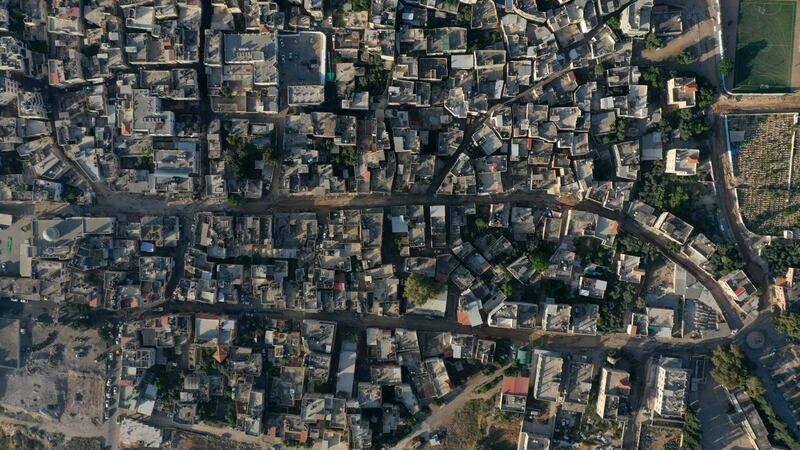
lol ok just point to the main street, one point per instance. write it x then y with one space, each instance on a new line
141 205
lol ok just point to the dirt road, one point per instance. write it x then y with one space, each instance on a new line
443 414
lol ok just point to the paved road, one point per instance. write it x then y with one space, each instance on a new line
718 432
127 205
544 340
756 268
627 224
760 359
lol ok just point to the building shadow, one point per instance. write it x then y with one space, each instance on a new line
746 59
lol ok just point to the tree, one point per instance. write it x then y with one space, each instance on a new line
538 253
359 5
71 194
705 96
91 50
16 19
619 298
684 58
663 191
630 245
10 163
347 156
652 77
652 42
620 129
732 370
145 162
419 288
780 256
690 125
464 15
271 154
477 39
788 323
591 250
725 260
730 367
226 91
613 23
666 130
376 77
599 70
481 224
726 66
241 157
539 261
692 433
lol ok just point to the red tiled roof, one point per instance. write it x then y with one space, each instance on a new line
220 355
515 385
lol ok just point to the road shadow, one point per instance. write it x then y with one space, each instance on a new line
4 373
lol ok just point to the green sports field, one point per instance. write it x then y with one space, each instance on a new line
764 46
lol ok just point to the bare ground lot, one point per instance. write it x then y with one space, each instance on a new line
191 441
55 387
657 438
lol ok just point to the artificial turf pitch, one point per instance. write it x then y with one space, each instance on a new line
764 46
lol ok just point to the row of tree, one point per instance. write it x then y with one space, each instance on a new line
732 370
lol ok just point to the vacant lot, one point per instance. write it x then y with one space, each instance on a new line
468 426
56 386
764 45
766 170
658 438
191 441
